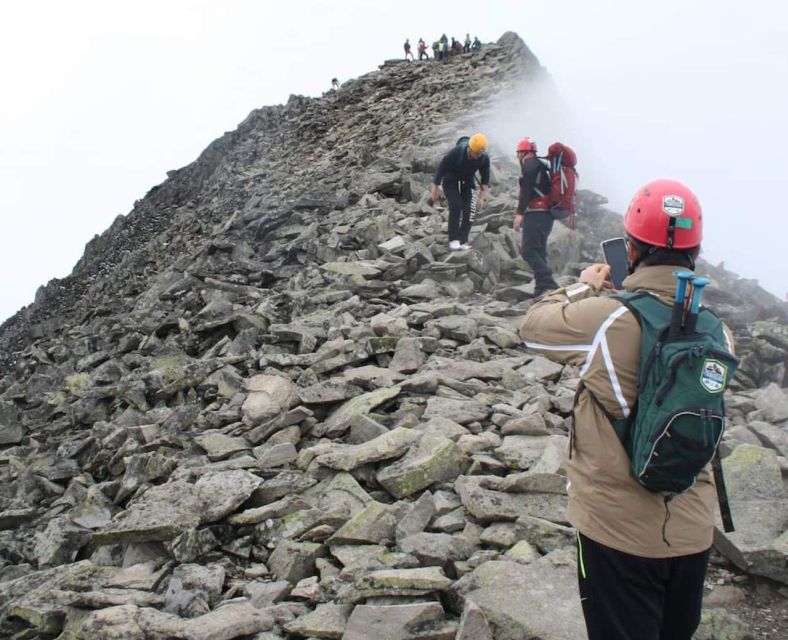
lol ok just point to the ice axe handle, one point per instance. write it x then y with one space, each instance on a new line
678 303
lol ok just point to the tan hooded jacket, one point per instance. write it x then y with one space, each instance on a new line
575 325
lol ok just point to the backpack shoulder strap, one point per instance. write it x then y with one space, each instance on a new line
462 143
620 425
653 315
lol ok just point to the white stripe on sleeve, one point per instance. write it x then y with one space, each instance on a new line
575 290
600 341
558 347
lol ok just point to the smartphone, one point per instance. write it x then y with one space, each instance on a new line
615 252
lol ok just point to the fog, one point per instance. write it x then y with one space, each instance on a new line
102 99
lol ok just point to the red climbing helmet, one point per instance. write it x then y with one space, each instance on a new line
526 144
665 213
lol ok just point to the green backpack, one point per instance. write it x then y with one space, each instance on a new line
674 430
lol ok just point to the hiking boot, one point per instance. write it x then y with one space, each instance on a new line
454 245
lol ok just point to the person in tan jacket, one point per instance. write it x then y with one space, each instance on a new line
641 566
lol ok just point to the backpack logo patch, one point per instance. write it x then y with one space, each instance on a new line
713 376
673 205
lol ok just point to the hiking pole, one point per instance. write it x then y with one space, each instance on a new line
698 283
678 303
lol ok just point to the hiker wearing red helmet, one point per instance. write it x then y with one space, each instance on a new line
533 215
665 214
642 555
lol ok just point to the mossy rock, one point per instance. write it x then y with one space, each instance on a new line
76 382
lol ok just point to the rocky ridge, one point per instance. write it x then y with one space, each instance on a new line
269 403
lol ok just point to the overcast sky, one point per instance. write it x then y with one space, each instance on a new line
101 99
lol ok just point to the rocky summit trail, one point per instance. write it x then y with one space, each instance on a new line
269 404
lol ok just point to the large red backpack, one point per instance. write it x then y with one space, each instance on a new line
563 176
561 163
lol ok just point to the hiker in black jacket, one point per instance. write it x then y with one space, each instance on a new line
533 215
456 174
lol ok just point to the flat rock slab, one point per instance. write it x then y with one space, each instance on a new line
342 417
219 446
408 356
11 434
436 548
30 597
759 508
460 411
162 513
293 561
108 598
396 582
488 505
538 600
375 523
344 491
232 620
460 328
273 510
365 268
434 459
327 621
329 392
143 575
773 401
466 369
534 482
264 594
222 493
425 290
522 452
473 624
370 376
396 244
389 445
541 369
399 622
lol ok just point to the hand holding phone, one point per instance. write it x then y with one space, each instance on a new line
615 252
597 275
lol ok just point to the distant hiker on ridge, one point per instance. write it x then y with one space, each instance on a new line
477 44
466 48
407 49
444 47
334 83
456 173
533 216
423 50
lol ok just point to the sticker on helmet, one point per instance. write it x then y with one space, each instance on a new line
713 375
673 205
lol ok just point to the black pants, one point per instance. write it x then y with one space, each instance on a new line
627 597
460 196
537 226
